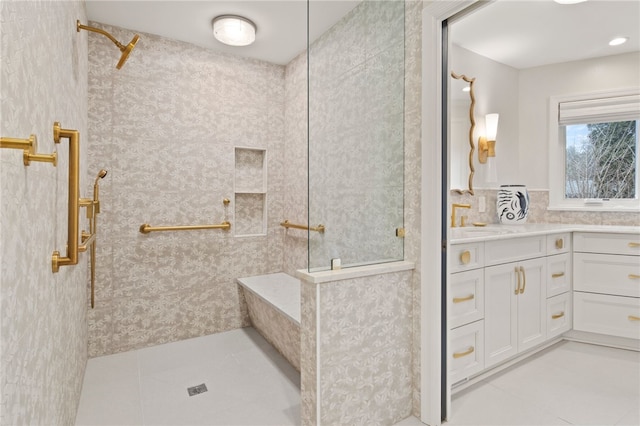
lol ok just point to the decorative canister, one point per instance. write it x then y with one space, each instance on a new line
513 204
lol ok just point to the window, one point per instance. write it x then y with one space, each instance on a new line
593 156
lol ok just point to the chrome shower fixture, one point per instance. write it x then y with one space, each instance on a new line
126 50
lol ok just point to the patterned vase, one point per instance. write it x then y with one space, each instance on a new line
513 204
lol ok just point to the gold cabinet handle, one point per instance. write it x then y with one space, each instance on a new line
634 318
463 299
518 284
556 316
469 351
560 243
557 275
465 257
634 244
524 279
634 276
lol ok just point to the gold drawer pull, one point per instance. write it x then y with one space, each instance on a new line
634 244
559 243
469 351
634 276
556 316
465 257
463 299
558 275
634 318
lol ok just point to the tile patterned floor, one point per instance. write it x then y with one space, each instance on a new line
249 383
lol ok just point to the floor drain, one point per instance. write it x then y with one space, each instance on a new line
195 390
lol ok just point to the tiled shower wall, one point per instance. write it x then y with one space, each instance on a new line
43 315
166 126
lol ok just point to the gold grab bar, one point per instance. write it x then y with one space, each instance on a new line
75 202
558 275
29 148
319 228
463 299
469 351
146 228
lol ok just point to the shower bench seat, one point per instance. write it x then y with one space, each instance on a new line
273 301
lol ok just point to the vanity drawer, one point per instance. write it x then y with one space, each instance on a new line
467 351
605 273
514 249
466 297
594 242
558 314
558 274
465 257
559 243
612 315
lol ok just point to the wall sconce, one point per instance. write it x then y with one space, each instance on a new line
487 144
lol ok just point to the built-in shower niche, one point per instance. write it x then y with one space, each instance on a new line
250 204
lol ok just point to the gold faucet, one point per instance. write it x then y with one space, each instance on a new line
453 212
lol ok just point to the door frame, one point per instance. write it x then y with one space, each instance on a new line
435 398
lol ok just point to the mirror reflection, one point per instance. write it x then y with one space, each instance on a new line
461 127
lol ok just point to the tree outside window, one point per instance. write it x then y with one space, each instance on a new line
601 160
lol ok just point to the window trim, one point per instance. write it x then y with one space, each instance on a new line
557 161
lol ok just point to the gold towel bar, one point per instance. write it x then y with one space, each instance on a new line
146 228
29 148
319 228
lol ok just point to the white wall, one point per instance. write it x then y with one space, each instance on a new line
569 78
496 90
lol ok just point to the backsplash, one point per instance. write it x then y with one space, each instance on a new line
538 213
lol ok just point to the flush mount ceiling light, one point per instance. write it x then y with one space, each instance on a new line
618 41
234 30
569 1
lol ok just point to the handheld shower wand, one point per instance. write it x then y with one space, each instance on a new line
93 224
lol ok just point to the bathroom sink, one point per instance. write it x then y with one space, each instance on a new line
476 232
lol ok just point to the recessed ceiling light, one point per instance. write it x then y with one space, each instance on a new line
618 41
234 30
569 1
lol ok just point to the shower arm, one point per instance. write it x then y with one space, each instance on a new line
79 27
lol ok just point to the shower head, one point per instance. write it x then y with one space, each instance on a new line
126 50
101 174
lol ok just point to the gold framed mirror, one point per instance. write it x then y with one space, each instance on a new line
462 122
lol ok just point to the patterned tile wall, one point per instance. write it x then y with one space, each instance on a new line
278 329
43 343
166 126
538 212
365 341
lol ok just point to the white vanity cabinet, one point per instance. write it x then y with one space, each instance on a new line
466 311
515 308
606 277
559 278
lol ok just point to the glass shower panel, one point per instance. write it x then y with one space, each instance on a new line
356 136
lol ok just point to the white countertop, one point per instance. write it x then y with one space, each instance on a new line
498 232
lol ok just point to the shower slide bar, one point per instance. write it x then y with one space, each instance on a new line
319 228
146 228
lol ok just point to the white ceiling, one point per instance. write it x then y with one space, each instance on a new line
282 25
518 33
525 34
